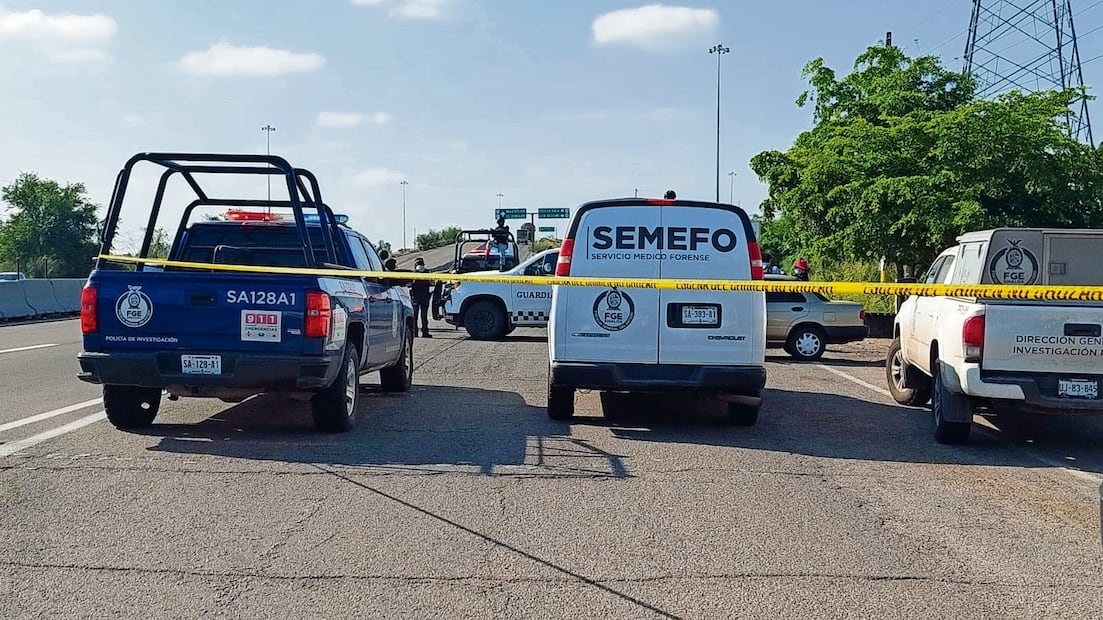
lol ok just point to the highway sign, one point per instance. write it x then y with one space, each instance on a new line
550 229
553 214
511 214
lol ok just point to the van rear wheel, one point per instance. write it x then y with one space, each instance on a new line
130 407
900 375
743 415
560 402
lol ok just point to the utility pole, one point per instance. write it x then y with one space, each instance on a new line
719 50
268 129
404 183
637 194
731 188
500 194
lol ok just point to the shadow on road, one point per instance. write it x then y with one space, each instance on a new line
833 426
480 429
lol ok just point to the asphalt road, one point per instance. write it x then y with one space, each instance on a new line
461 499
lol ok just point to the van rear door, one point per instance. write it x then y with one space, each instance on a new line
709 241
610 324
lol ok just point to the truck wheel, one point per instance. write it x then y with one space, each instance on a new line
742 415
944 401
897 372
129 406
807 342
560 402
485 320
334 408
400 377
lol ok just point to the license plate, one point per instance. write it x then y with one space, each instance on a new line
1078 388
201 364
699 315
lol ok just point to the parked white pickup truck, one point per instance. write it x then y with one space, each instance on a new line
490 310
969 355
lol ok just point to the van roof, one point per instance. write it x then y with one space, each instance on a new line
748 229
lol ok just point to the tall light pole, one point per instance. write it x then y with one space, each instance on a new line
719 50
268 129
404 183
731 189
500 194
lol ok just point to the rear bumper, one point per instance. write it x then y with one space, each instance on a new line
1036 392
745 380
239 371
842 335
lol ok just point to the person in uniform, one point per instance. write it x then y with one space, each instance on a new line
420 294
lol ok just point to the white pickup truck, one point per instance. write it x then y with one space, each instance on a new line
490 310
969 355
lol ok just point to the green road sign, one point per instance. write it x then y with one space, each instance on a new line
553 214
511 214
550 229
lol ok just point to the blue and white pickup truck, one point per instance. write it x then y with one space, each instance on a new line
196 332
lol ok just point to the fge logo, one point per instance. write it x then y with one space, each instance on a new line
134 308
614 310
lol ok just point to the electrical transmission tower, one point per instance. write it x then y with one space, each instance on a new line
1028 45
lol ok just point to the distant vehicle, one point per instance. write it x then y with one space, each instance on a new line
475 251
805 323
209 333
491 310
12 276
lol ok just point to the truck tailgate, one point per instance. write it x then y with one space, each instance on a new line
201 311
1043 338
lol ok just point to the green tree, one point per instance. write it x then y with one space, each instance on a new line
903 158
382 246
50 227
437 238
160 245
545 243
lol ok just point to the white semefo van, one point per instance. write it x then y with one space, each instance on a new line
650 340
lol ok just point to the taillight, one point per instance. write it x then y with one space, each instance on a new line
88 322
318 314
862 315
563 265
756 260
972 337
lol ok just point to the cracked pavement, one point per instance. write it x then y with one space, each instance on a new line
461 499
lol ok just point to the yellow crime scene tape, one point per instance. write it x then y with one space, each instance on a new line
986 291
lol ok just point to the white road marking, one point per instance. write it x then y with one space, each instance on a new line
1090 477
7 426
14 447
30 348
845 375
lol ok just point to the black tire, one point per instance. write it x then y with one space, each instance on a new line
400 377
743 415
130 407
334 408
485 320
897 372
560 402
943 400
806 343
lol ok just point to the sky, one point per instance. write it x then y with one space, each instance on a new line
550 104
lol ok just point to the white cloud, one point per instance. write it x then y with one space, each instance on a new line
375 177
411 9
341 120
63 37
225 60
654 26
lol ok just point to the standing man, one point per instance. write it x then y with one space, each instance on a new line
500 236
420 294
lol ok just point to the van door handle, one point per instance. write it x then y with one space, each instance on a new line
797 308
201 299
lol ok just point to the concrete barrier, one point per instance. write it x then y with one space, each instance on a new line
40 296
13 301
67 293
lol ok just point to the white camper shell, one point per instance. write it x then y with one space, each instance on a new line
651 340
